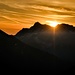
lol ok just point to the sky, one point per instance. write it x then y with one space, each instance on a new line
18 14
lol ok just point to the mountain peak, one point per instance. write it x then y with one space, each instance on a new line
37 27
65 27
37 24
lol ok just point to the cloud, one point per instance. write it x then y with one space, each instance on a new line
26 12
7 7
13 19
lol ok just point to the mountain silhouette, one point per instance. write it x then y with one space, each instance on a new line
44 27
65 27
15 54
36 27
38 48
61 43
3 33
39 27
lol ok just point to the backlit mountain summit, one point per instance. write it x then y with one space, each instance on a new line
43 27
39 47
59 42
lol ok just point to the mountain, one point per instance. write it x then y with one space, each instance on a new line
39 27
65 27
15 55
43 27
36 27
39 47
59 41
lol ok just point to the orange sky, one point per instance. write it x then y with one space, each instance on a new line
18 14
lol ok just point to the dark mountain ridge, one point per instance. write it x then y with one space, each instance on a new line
43 27
15 54
25 49
66 27
59 41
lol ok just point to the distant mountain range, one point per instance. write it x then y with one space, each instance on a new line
59 42
17 55
43 27
39 48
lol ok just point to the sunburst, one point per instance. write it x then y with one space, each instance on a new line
53 23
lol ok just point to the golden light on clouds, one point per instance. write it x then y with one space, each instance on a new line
18 14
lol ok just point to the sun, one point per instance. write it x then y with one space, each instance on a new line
53 23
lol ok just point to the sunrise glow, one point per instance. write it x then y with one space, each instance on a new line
18 14
52 23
